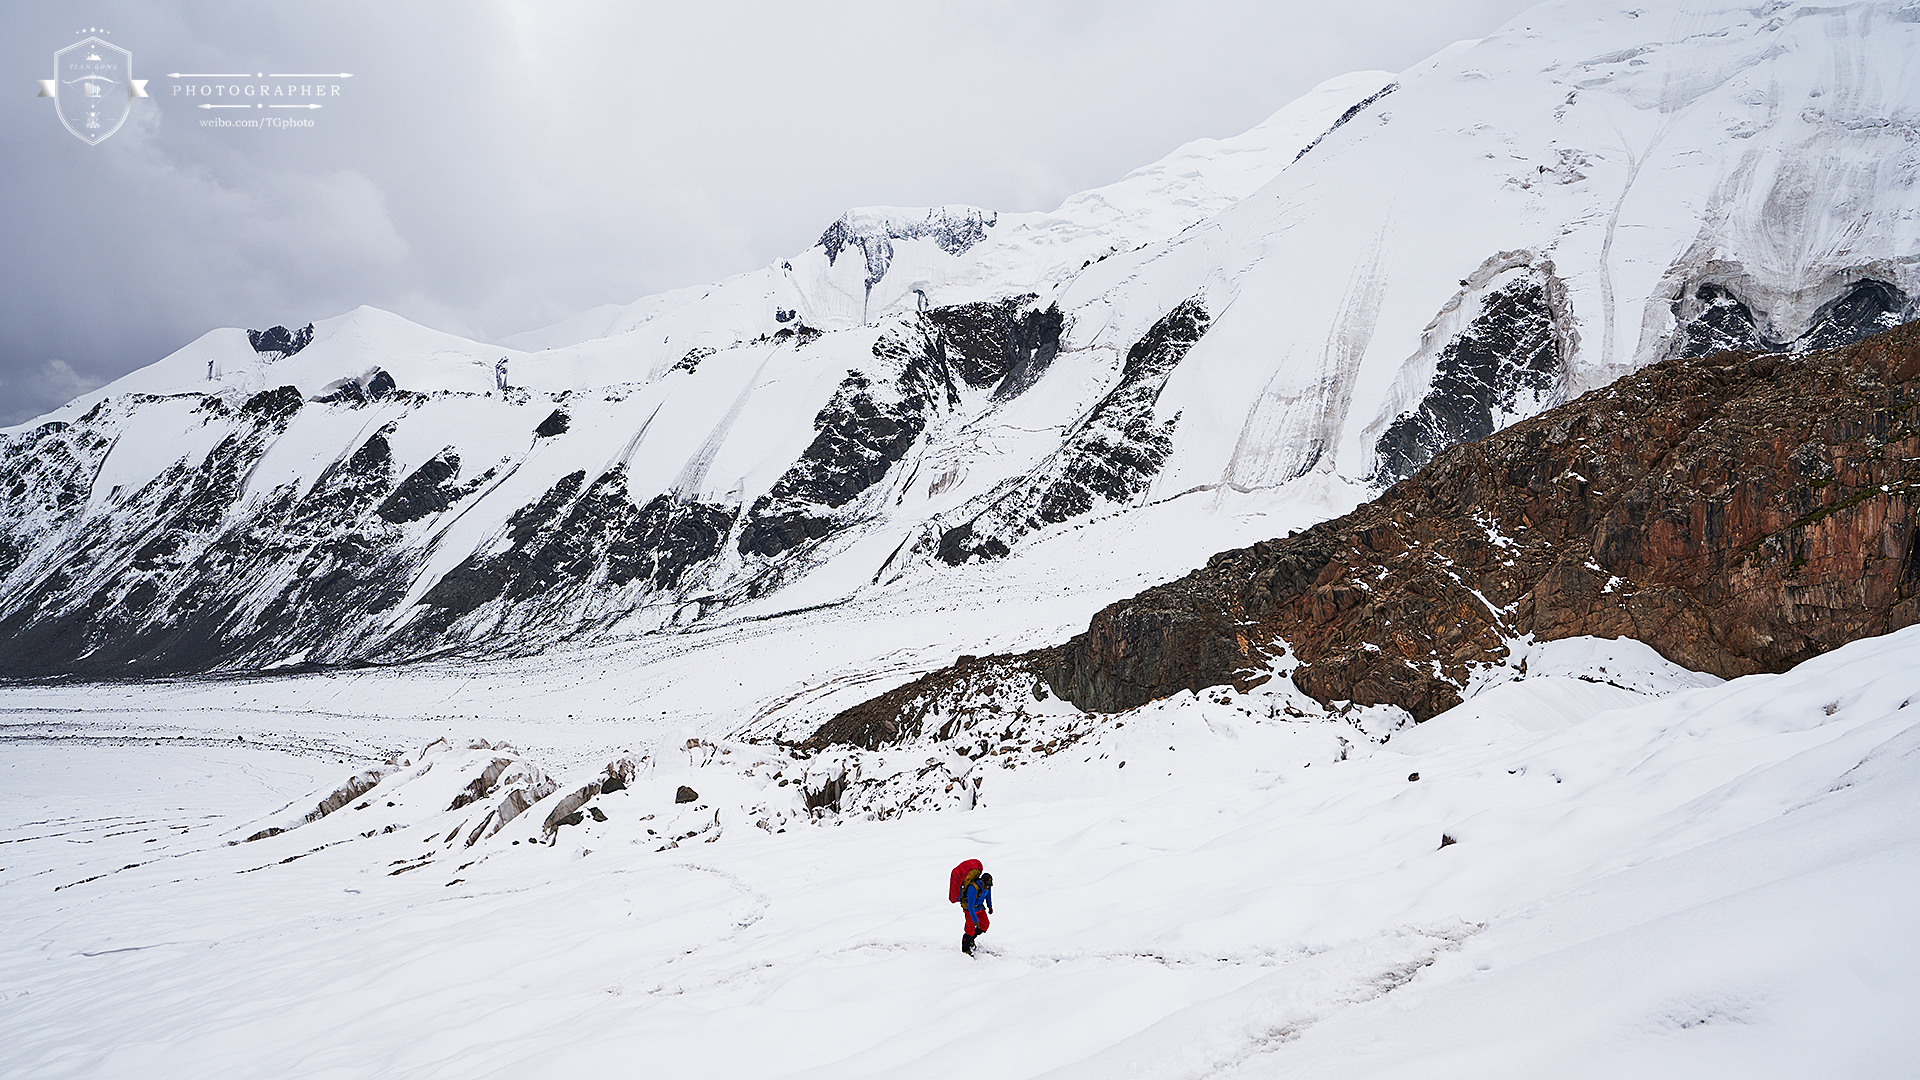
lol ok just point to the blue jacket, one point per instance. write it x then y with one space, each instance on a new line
974 897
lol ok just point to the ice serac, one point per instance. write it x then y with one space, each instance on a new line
873 230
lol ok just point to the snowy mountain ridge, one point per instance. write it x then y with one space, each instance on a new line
1004 254
1315 308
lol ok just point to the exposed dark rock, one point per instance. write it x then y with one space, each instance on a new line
685 794
278 342
1035 341
801 335
1866 308
691 361
1511 349
45 475
1353 111
1712 317
359 390
343 392
873 420
1739 513
1720 322
465 587
827 794
429 489
861 434
900 714
556 423
991 342
670 539
302 575
1110 456
276 404
570 543
862 431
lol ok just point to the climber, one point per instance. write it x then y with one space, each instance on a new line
971 887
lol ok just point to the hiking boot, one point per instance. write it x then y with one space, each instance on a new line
966 944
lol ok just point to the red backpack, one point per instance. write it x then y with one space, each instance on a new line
959 878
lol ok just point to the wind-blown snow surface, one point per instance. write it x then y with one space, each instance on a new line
1648 879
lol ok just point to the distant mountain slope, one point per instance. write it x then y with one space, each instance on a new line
907 258
1386 267
1593 188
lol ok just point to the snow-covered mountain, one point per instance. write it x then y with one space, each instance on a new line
902 260
1304 312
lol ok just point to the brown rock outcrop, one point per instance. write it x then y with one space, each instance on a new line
1739 513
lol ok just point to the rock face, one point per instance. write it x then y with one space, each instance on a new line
1109 455
1712 317
278 342
1513 351
1738 512
873 419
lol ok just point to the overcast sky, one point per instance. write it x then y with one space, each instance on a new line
494 166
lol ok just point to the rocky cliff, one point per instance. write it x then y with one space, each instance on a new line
1739 512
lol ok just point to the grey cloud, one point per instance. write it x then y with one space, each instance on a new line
30 391
495 166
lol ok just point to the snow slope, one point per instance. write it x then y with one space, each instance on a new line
1004 254
1620 162
1658 881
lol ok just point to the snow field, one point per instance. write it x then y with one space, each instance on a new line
1672 885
